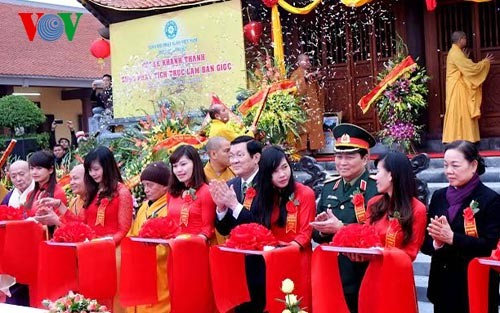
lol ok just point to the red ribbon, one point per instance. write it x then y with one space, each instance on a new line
229 279
2 240
57 271
20 253
390 274
478 281
88 268
325 277
97 269
138 280
189 276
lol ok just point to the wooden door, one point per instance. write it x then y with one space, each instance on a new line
349 46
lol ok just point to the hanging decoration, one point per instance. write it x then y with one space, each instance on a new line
354 3
253 32
277 34
100 49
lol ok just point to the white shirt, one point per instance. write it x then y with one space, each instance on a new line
239 207
18 198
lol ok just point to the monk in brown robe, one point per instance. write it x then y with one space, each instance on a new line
313 104
464 79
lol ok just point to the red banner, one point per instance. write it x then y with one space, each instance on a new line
406 65
260 97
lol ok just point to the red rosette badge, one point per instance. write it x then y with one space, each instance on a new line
358 199
8 213
291 207
251 236
251 193
74 232
159 227
357 236
468 213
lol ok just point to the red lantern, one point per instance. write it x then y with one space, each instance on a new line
253 32
270 3
100 49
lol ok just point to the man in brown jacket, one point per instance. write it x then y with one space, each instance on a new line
313 104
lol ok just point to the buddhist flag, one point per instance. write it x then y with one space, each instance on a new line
406 65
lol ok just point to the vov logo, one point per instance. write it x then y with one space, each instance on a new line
50 27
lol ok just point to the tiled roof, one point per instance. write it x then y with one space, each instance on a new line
145 4
20 57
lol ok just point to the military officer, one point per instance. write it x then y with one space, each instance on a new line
335 208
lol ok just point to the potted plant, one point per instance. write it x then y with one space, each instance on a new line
20 115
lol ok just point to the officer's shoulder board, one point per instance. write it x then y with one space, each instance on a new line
331 179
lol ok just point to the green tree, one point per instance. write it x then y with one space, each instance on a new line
17 111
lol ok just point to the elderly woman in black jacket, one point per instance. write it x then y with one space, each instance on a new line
452 245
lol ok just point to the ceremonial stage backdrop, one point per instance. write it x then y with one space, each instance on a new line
181 56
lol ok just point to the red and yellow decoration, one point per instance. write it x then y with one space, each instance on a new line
391 236
405 66
291 216
358 200
355 3
188 196
171 143
101 212
277 33
260 97
7 152
470 220
249 196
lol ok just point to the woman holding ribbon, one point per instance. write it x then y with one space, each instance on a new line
464 223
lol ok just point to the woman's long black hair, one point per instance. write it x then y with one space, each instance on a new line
404 189
110 175
176 187
269 195
46 160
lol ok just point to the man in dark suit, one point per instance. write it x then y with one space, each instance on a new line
244 156
234 207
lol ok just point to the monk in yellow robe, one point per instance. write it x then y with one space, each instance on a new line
313 104
221 126
155 181
463 92
217 166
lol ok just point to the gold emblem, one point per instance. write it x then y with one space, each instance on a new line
345 138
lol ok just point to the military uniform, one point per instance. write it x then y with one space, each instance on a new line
337 195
